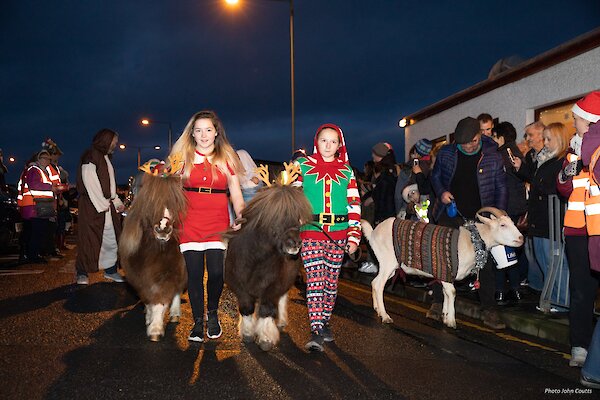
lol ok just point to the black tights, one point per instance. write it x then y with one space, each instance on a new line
194 262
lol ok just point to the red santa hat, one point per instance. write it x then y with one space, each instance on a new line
342 152
588 108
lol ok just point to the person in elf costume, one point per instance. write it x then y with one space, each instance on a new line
329 184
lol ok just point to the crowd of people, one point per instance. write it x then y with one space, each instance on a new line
445 184
485 166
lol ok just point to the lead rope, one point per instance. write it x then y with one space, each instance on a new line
357 254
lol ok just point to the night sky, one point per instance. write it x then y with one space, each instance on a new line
69 67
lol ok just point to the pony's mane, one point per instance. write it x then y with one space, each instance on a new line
156 194
275 209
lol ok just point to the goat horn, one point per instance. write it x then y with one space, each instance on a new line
496 212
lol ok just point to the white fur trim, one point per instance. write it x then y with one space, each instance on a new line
584 114
201 246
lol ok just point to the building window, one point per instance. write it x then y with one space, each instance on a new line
558 112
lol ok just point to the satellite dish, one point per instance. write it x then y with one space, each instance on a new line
504 64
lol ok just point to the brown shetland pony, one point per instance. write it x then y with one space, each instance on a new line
263 259
149 249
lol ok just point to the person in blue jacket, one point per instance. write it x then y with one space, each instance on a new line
470 173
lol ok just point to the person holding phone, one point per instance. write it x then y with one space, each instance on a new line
505 135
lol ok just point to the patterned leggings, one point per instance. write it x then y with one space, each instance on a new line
322 262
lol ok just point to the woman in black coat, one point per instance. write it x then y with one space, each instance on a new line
542 185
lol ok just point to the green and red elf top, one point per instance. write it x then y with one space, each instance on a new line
331 190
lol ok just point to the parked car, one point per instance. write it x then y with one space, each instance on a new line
11 223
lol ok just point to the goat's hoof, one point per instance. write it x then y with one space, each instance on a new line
155 337
174 319
451 325
247 338
265 345
387 320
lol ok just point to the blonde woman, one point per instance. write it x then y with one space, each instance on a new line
543 184
210 171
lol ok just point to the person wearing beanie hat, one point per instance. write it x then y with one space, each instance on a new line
330 186
471 174
381 149
423 147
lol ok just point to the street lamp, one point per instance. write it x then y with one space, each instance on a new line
147 122
123 146
235 2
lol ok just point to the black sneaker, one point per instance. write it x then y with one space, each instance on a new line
326 333
197 333
214 326
315 343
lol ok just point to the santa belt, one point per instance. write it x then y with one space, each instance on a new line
204 190
329 218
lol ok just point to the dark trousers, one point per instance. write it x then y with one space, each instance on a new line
512 273
36 237
583 286
194 262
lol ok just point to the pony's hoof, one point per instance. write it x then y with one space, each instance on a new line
281 327
174 319
247 339
155 337
387 320
265 345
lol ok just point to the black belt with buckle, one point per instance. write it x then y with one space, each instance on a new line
204 190
329 218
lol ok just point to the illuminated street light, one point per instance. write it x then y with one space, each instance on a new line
235 3
404 122
147 122
12 159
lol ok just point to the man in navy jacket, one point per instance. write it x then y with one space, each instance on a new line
471 173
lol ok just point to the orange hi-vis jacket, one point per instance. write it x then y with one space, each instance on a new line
27 196
592 201
53 174
575 214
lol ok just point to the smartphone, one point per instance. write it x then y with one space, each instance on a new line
510 154
416 161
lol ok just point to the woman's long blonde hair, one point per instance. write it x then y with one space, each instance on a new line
223 155
559 133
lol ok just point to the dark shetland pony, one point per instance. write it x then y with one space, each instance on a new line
149 249
263 259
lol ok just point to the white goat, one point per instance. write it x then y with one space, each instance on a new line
496 230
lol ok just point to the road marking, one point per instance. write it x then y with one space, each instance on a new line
501 335
7 272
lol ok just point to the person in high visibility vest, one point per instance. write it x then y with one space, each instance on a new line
573 183
56 240
34 185
589 109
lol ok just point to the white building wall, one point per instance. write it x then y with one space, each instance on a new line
517 101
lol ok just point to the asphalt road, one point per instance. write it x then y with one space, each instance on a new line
61 341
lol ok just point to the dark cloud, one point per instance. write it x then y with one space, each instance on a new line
69 68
